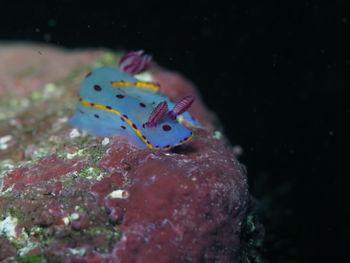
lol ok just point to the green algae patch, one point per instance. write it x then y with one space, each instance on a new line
96 152
13 212
33 259
107 59
69 182
90 172
39 232
83 140
89 147
110 235
50 91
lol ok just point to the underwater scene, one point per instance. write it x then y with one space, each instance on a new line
159 132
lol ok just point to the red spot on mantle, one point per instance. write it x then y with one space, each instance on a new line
166 127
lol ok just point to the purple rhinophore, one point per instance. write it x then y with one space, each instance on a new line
156 115
180 107
134 62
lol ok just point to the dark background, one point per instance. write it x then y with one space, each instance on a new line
276 73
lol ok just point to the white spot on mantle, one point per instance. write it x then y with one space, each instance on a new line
144 76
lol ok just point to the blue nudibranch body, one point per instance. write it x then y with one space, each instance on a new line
113 102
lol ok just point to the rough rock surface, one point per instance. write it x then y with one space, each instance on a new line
70 197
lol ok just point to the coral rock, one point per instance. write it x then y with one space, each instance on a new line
76 199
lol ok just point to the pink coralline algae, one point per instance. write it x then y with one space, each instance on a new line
96 199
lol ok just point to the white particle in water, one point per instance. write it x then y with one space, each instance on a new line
105 141
4 140
8 226
122 194
74 133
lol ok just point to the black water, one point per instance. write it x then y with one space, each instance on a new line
276 73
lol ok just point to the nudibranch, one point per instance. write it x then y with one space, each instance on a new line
114 102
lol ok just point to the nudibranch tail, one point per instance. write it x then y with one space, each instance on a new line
180 107
134 62
157 115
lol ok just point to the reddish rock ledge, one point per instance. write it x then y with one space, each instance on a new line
70 197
